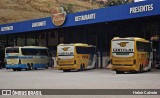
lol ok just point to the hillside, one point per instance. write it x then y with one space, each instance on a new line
20 10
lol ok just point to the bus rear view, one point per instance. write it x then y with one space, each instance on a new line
76 56
12 57
122 53
26 57
65 55
130 54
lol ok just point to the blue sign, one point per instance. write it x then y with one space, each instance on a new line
121 12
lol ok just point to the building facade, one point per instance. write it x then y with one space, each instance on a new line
96 27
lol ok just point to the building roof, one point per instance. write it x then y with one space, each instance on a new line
120 12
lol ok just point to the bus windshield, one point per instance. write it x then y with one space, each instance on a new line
12 50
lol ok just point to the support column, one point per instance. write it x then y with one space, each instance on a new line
58 33
25 39
46 38
15 40
101 51
7 40
100 54
36 40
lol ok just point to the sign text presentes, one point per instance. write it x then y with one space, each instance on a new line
139 9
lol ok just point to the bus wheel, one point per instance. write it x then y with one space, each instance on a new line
81 68
32 68
151 67
95 66
19 69
66 70
14 69
119 72
46 67
29 67
140 69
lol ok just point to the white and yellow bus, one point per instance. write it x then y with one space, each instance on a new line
76 56
26 57
131 54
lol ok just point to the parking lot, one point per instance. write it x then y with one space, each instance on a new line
90 79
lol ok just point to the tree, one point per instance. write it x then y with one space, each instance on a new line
117 2
70 8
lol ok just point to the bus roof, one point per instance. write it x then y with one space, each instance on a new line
130 38
28 47
74 44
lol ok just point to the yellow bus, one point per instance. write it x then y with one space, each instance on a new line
26 57
76 56
131 54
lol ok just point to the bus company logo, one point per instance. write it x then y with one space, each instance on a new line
58 16
122 44
6 92
65 48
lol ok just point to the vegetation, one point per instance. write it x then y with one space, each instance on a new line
20 10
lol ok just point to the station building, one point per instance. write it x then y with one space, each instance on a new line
96 27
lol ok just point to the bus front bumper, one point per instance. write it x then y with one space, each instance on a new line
12 66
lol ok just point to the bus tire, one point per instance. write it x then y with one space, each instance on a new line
140 68
151 67
29 67
95 66
46 67
14 69
81 68
139 71
119 72
32 68
19 69
66 70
